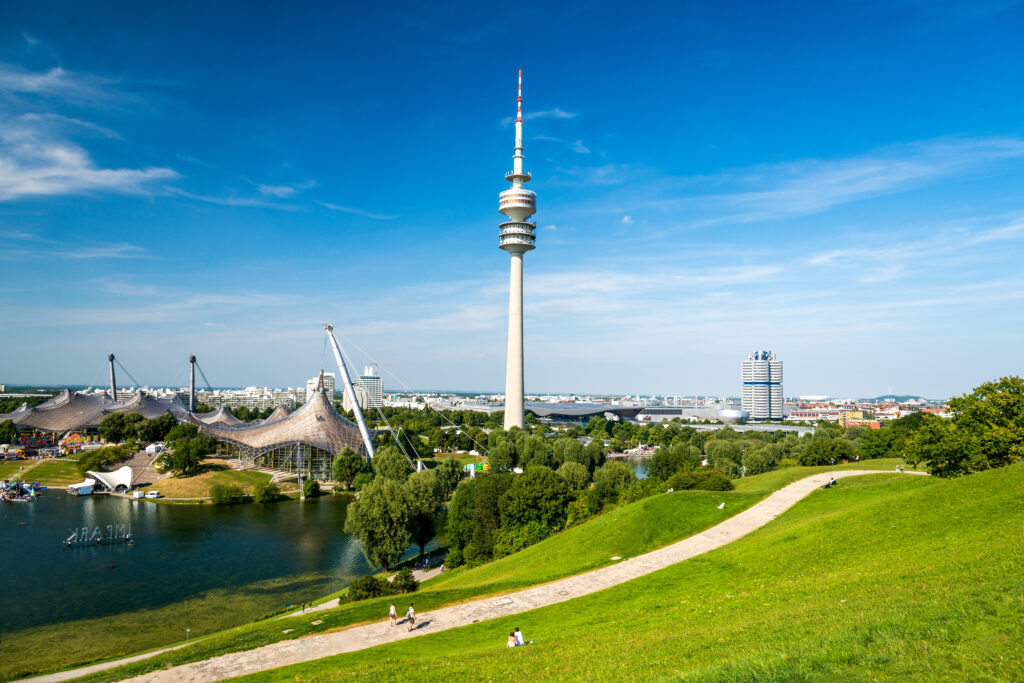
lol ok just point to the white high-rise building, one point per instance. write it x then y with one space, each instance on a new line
761 374
370 381
312 384
517 237
368 390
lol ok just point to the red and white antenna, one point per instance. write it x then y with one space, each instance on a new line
519 100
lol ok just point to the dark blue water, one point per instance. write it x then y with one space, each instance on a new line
200 567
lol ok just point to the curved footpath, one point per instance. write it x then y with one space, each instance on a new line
309 648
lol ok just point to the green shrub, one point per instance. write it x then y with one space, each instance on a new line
361 480
512 540
366 587
453 558
703 479
311 488
404 582
640 489
265 492
788 462
225 494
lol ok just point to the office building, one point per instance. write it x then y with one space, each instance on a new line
761 396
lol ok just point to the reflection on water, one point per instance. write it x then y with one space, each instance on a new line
639 464
270 554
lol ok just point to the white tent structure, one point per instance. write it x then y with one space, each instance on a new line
119 481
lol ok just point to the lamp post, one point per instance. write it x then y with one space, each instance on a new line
188 632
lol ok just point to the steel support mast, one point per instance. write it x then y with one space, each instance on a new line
349 393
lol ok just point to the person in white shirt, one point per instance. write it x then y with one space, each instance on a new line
519 636
411 617
393 614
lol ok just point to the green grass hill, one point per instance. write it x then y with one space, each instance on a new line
624 532
882 577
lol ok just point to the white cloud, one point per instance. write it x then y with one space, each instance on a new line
33 163
628 220
283 191
580 148
357 212
24 245
555 113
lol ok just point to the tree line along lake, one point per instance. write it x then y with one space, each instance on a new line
198 567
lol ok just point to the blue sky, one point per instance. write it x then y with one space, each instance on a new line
838 182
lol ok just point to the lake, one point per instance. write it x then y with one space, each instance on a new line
201 567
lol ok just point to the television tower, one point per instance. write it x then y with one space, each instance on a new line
517 237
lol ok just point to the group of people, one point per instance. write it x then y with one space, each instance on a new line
410 616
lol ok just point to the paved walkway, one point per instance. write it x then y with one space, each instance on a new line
309 648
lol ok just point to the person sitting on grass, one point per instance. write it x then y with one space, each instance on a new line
519 636
512 639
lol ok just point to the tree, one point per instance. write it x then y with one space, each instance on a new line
186 456
265 491
758 459
666 461
474 516
157 429
449 474
994 415
878 443
423 493
310 488
616 475
569 450
391 464
501 457
225 494
596 453
818 451
380 520
116 427
725 454
535 451
575 474
181 432
8 432
946 449
538 495
347 466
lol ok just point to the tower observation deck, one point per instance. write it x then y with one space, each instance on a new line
517 237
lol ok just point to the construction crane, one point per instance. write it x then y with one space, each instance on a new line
346 382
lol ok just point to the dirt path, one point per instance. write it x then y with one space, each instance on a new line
309 648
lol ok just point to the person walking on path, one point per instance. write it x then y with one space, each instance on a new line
393 614
411 616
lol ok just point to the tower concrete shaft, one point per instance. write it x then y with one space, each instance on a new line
517 237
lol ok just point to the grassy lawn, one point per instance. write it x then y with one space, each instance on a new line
212 471
10 468
462 458
54 473
628 531
882 577
773 481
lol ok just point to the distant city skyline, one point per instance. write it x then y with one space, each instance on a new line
838 184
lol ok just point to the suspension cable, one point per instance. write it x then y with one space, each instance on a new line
480 448
135 381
